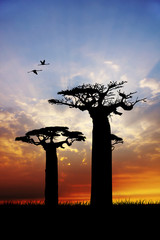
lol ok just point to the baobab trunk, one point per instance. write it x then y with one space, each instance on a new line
51 188
101 188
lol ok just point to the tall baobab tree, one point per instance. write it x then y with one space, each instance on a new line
100 101
46 137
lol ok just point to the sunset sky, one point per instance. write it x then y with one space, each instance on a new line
85 41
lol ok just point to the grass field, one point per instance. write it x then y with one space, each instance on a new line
141 204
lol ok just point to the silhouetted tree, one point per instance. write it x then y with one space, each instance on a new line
100 101
46 137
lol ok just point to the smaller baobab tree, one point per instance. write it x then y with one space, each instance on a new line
46 137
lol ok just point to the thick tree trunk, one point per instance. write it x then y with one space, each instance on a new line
101 184
51 178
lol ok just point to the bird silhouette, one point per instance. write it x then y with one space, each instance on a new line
43 63
34 71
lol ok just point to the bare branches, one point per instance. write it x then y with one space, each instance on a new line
125 96
61 102
129 105
124 103
139 100
114 85
70 103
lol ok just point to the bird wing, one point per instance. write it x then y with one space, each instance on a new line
42 62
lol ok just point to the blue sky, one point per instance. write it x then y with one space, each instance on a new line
85 41
76 35
61 28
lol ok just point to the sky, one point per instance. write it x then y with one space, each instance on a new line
85 41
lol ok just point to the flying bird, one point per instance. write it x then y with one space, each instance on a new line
35 71
43 63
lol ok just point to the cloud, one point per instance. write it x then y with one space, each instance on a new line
152 84
114 66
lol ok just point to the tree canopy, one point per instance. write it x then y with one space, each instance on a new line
49 135
88 97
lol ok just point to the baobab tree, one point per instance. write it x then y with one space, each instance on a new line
46 137
100 101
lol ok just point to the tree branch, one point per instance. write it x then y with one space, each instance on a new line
36 143
114 85
60 144
125 96
139 100
118 113
127 106
71 105
116 140
27 139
